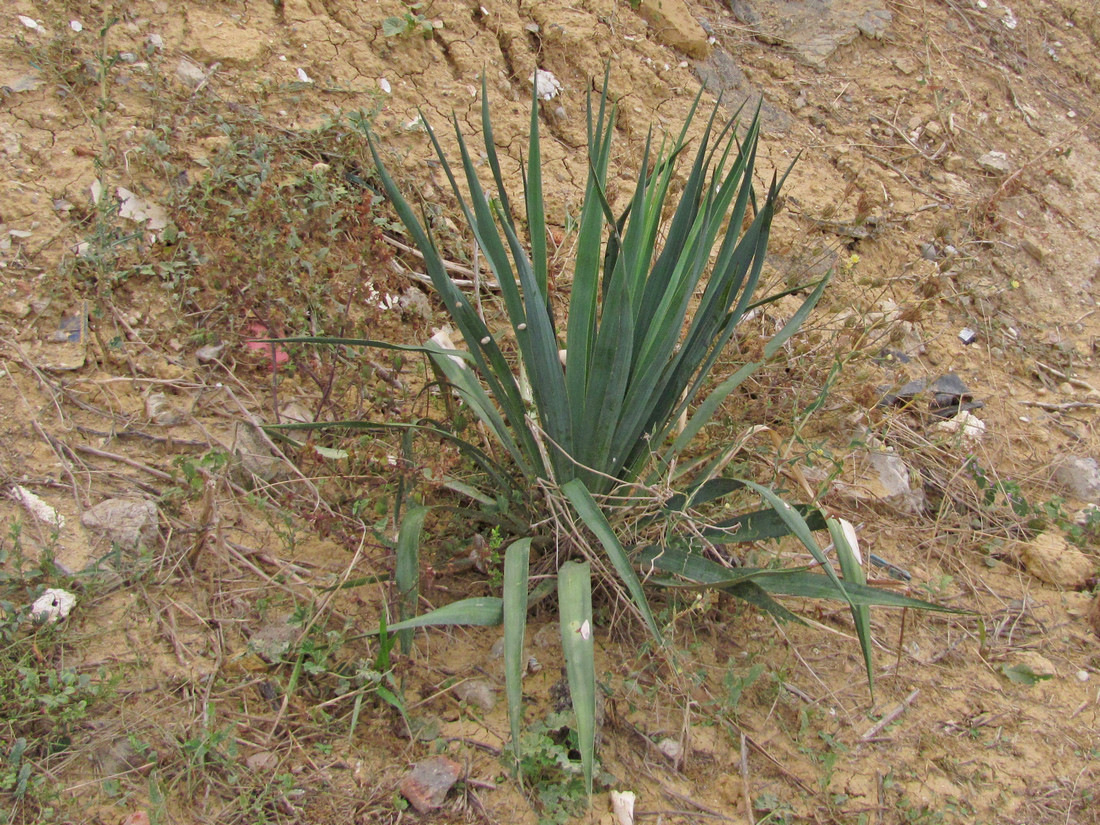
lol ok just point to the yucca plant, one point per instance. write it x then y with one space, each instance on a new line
653 302
657 293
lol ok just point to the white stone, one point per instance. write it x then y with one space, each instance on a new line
670 748
969 428
547 86
129 523
1080 476
622 806
996 162
53 605
38 508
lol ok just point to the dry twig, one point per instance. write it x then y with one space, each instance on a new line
893 715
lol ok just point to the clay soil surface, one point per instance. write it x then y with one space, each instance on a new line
180 178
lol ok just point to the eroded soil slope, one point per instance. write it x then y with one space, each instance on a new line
177 178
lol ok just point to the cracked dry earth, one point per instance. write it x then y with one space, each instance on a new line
948 171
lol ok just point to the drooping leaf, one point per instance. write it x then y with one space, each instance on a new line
516 570
407 570
797 582
579 646
847 552
483 611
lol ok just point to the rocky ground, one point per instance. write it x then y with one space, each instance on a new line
178 179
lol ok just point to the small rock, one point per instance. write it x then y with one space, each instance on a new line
995 162
129 523
547 637
674 25
1050 558
414 304
208 353
477 692
160 411
929 252
1081 476
671 748
38 508
272 641
16 309
546 85
622 807
893 476
253 455
296 412
118 755
21 82
427 784
53 605
969 428
1033 249
954 163
262 761
1082 676
189 73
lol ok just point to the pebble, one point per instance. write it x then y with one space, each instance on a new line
996 162
477 692
671 748
427 784
208 353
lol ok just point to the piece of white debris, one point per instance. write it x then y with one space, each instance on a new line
671 748
29 22
622 806
37 507
384 85
76 26
969 428
138 210
442 339
53 605
547 87
302 76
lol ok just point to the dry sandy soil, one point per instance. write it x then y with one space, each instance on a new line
231 675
